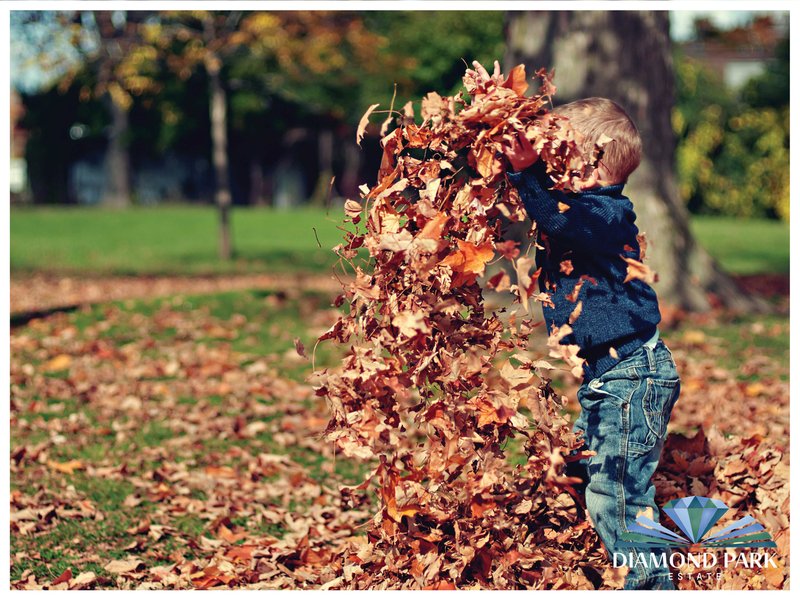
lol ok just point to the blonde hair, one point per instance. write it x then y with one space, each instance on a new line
595 117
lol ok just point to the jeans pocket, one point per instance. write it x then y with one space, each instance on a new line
615 391
650 415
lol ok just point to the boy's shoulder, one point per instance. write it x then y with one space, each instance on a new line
598 195
609 198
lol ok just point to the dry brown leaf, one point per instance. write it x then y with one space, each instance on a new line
639 270
122 567
363 123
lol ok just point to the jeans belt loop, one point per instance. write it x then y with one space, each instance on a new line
651 359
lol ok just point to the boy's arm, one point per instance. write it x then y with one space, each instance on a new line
589 224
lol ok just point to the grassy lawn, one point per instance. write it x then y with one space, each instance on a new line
169 240
182 240
234 393
745 246
203 385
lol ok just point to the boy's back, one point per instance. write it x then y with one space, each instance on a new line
630 381
583 241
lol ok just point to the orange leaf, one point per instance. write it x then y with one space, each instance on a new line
433 228
470 258
516 80
639 270
66 467
476 257
241 554
774 574
208 577
65 576
222 472
397 513
229 536
58 363
486 161
478 506
440 585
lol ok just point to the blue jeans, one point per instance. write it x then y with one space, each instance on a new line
624 416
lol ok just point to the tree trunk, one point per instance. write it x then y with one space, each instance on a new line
117 192
258 196
352 166
626 56
322 189
219 151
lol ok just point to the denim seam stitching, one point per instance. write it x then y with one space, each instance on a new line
641 573
641 448
619 479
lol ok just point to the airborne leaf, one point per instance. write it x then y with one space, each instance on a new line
639 270
362 124
425 385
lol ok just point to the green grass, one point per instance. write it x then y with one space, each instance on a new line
265 324
745 246
741 337
177 239
170 240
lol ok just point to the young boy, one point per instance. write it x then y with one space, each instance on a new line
630 382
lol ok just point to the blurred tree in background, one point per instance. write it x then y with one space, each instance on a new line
108 64
591 58
132 108
295 85
733 148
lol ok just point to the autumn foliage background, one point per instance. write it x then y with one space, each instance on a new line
174 422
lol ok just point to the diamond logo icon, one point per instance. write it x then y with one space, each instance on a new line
695 515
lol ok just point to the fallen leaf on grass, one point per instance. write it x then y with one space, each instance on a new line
65 576
121 567
68 467
58 363
301 349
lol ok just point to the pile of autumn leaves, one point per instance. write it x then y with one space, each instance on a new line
432 385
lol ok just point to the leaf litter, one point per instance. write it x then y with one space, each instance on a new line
435 385
429 399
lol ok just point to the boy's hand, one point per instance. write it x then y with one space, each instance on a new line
518 150
482 75
520 153
479 81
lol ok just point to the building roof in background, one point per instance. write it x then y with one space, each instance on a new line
739 53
